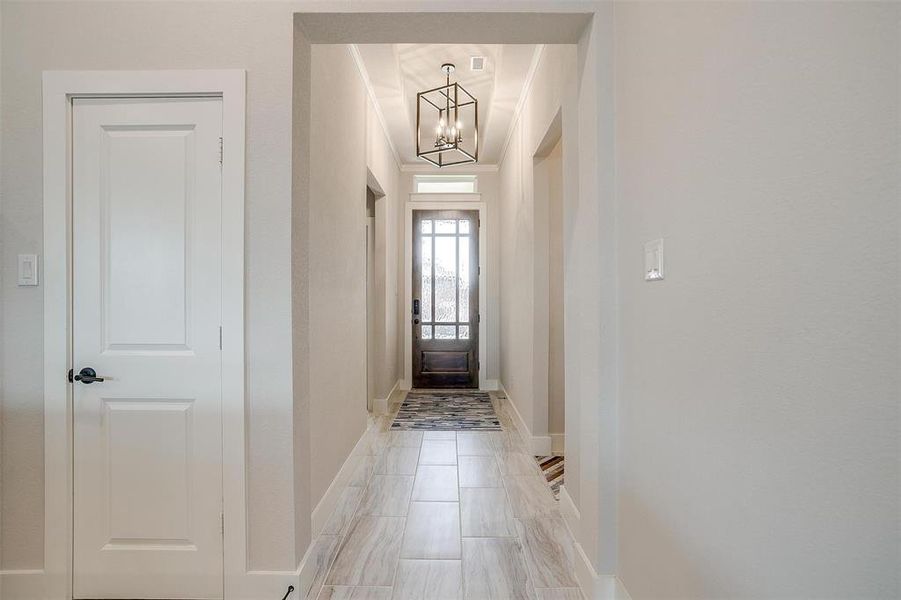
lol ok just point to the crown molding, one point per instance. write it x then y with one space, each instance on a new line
367 83
520 104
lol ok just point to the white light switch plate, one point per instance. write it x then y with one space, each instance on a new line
653 260
28 269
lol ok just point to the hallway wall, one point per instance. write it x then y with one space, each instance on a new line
337 284
389 243
348 140
523 372
151 35
760 380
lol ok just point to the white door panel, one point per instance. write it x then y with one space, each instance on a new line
146 316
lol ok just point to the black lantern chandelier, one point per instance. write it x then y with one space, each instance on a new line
450 118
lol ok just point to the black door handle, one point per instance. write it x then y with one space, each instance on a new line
86 375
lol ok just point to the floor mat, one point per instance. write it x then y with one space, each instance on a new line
552 467
447 411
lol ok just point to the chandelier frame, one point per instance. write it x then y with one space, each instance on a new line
456 100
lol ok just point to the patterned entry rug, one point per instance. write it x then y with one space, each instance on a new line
552 467
447 411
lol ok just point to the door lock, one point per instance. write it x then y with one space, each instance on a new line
86 375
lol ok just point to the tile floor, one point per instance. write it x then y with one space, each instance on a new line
445 515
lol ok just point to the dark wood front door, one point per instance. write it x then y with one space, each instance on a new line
445 299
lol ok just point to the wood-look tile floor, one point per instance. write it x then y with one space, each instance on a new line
445 515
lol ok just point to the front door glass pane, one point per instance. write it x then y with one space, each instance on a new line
426 292
445 279
446 226
463 275
445 332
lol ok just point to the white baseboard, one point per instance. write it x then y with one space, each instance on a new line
619 590
539 445
254 585
381 406
25 584
518 420
587 577
569 510
491 385
585 573
558 443
33 584
326 506
310 567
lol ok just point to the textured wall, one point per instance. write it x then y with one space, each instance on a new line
37 36
760 380
520 298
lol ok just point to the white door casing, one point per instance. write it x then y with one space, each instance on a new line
146 315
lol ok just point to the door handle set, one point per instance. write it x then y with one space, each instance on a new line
86 375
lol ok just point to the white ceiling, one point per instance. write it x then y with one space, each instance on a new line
398 71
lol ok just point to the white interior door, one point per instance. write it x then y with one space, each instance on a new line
146 316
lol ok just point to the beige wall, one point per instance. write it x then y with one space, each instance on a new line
84 35
381 163
760 381
524 242
348 140
337 263
300 287
576 82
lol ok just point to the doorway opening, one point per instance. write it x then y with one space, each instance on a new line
375 283
548 194
370 298
568 62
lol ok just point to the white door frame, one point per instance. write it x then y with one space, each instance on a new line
59 89
471 201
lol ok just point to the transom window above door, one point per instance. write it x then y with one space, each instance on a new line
445 184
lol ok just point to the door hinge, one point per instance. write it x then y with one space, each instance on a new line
220 337
479 365
479 318
220 152
222 523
